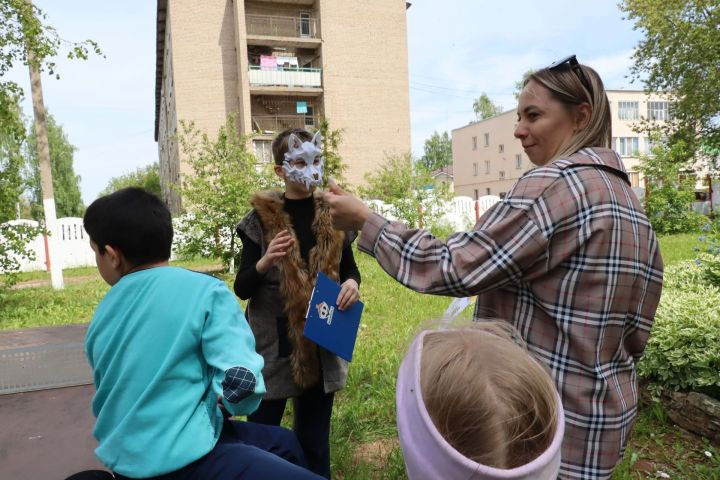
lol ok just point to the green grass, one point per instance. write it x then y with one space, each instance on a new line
364 439
658 446
91 271
679 247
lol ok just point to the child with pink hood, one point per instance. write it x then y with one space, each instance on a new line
473 404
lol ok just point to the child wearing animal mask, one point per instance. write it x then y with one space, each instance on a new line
287 238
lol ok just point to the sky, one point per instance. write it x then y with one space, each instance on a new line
457 49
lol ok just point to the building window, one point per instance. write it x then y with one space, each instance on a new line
502 175
487 139
628 110
634 179
475 169
501 148
518 161
628 146
477 194
502 195
487 191
659 111
474 143
263 151
304 24
650 144
487 166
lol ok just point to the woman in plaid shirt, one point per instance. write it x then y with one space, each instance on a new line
568 256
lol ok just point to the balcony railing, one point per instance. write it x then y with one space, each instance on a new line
300 27
278 123
294 77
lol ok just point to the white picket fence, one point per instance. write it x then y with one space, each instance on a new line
460 212
73 243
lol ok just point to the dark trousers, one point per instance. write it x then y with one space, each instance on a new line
311 423
245 451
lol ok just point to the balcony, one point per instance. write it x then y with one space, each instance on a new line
270 124
292 27
289 78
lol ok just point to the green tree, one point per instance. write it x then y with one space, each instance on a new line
520 83
23 33
66 184
680 54
217 194
409 189
11 181
485 108
22 30
438 151
147 177
13 238
670 195
334 166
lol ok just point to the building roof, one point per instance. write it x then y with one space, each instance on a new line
446 170
159 58
472 124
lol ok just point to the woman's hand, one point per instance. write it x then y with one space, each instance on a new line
277 249
349 294
348 212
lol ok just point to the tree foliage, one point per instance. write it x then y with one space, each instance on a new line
438 152
334 166
14 238
147 177
680 55
485 108
670 196
520 83
25 39
409 188
217 193
66 184
11 181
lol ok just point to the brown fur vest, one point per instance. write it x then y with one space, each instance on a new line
297 277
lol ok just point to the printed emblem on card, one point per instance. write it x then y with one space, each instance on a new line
325 311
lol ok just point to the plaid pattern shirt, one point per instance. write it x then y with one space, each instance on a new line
570 258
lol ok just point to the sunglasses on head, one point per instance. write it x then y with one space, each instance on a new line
570 62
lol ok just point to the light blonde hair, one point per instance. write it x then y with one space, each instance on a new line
487 396
566 87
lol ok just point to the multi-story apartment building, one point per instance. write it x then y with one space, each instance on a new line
488 159
279 64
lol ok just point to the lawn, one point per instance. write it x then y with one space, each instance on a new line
679 247
364 441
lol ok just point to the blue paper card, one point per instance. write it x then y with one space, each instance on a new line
327 326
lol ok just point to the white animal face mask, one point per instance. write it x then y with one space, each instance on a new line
304 161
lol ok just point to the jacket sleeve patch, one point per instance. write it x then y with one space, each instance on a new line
239 383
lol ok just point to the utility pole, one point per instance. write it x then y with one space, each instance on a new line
46 185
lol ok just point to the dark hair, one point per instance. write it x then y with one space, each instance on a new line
280 144
134 221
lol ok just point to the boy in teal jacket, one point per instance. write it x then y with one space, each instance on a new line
169 348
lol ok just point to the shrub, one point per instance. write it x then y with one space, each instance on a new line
685 275
683 352
710 258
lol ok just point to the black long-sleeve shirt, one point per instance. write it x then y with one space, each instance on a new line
302 214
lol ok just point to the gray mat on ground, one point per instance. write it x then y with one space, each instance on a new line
47 434
42 358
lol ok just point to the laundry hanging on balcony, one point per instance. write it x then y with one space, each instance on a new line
287 62
276 62
268 62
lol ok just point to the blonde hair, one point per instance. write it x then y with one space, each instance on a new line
566 86
487 396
